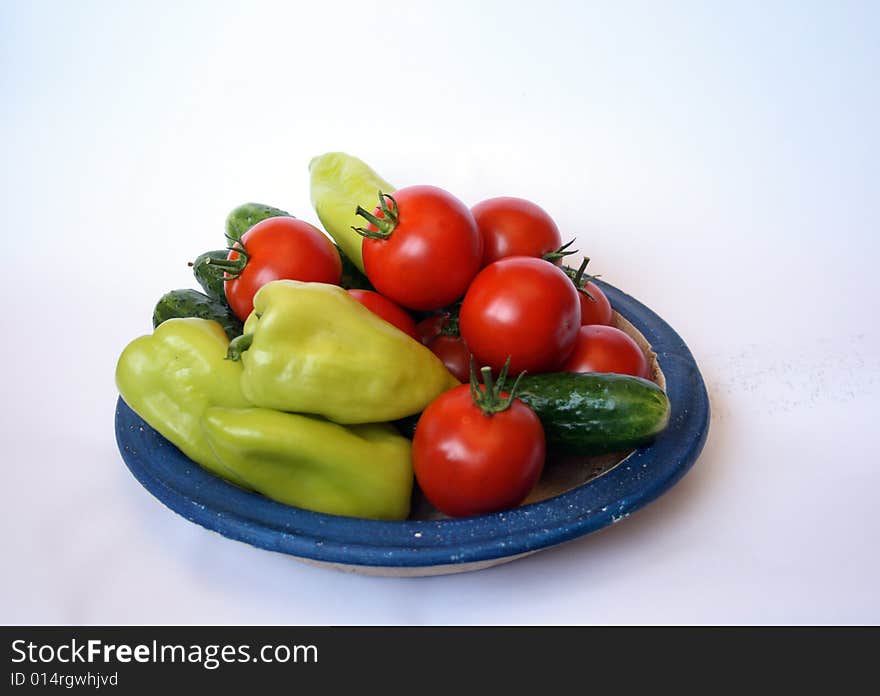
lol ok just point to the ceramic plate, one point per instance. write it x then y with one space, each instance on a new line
575 497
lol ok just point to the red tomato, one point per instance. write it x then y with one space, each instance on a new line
421 248
515 227
430 327
595 308
470 463
606 349
454 354
389 311
523 308
279 248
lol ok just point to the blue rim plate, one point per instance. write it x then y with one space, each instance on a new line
420 547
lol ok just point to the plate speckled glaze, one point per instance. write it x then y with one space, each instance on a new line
582 496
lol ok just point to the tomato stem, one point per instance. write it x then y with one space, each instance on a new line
488 380
384 225
579 278
239 345
489 399
560 253
232 267
450 324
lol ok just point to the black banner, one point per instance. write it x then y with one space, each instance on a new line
123 658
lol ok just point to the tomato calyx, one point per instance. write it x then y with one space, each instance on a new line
489 400
384 225
450 327
560 253
450 324
239 345
232 267
580 279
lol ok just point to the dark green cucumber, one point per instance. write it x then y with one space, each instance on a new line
210 277
352 278
589 414
592 413
406 426
191 303
245 216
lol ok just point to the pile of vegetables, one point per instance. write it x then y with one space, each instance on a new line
417 341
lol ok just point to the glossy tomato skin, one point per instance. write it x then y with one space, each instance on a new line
454 354
514 227
596 310
606 349
390 311
522 307
432 254
281 248
467 463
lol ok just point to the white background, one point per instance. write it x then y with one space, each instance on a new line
717 160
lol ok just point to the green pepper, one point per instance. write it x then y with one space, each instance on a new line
170 377
357 471
313 348
339 184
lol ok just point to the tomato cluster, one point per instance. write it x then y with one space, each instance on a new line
496 293
484 278
481 286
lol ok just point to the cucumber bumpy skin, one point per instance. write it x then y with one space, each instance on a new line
593 413
191 303
352 278
245 216
211 278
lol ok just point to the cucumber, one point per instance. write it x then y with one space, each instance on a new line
589 413
352 278
210 277
245 216
191 303
592 413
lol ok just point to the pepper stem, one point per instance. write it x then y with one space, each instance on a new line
490 399
239 345
383 225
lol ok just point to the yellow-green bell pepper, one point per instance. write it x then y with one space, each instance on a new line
170 377
312 348
357 471
339 184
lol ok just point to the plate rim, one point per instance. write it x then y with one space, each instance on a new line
203 498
